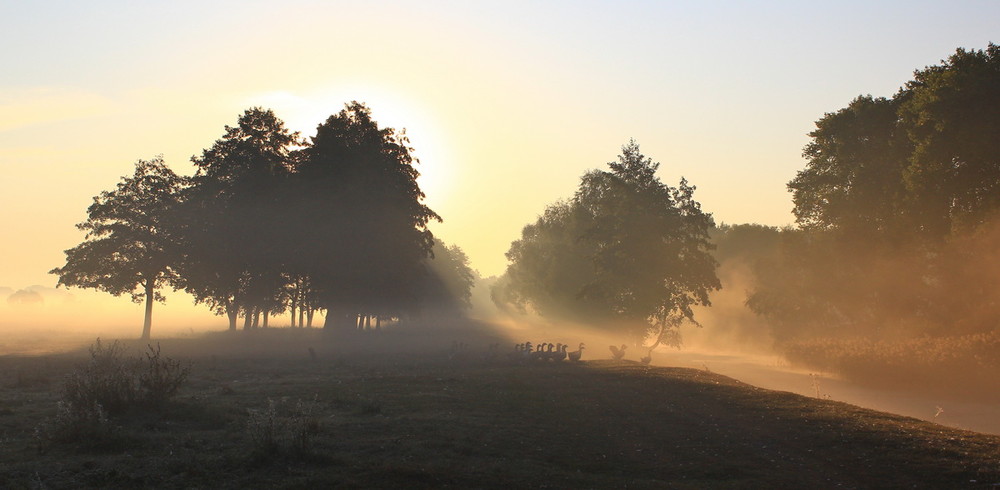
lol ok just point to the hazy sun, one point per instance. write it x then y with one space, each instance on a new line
302 112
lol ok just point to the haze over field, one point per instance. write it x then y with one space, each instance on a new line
506 107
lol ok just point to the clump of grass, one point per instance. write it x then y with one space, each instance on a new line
108 384
276 430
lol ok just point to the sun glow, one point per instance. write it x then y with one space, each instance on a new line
303 111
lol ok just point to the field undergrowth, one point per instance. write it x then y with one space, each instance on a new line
295 409
966 366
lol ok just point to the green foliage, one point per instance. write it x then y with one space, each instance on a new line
627 252
927 159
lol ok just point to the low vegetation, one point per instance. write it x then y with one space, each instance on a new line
963 366
262 410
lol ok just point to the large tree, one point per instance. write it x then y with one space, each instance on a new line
952 116
629 252
891 188
130 245
364 224
853 178
236 218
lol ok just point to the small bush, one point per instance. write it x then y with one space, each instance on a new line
108 380
111 383
86 424
273 433
161 377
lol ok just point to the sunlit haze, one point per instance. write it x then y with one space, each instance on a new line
506 104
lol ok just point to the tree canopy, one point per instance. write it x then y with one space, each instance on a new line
627 253
895 195
129 246
270 222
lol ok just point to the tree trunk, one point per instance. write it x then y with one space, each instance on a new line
147 323
293 312
378 322
247 318
368 322
266 314
256 317
232 313
309 317
300 315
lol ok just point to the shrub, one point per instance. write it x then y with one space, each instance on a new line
110 383
272 432
161 377
108 380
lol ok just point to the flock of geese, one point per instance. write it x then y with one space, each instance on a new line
545 351
542 352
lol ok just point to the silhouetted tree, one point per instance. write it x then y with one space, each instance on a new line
629 251
130 245
236 214
364 227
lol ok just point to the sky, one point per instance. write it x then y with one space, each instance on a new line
507 104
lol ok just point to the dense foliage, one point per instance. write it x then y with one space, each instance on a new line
627 253
270 223
897 208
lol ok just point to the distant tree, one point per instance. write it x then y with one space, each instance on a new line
550 265
447 285
130 245
629 251
364 228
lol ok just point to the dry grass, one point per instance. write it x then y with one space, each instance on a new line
966 366
356 417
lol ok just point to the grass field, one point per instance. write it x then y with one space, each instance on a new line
398 411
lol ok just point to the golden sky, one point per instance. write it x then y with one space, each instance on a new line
506 103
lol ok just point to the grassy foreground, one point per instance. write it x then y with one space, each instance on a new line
353 414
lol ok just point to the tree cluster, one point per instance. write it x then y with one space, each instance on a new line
626 253
271 223
896 207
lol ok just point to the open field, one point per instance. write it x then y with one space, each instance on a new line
396 412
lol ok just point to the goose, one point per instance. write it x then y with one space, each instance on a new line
518 352
577 354
617 353
549 353
560 352
649 357
528 352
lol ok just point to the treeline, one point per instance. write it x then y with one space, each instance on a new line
271 223
897 213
